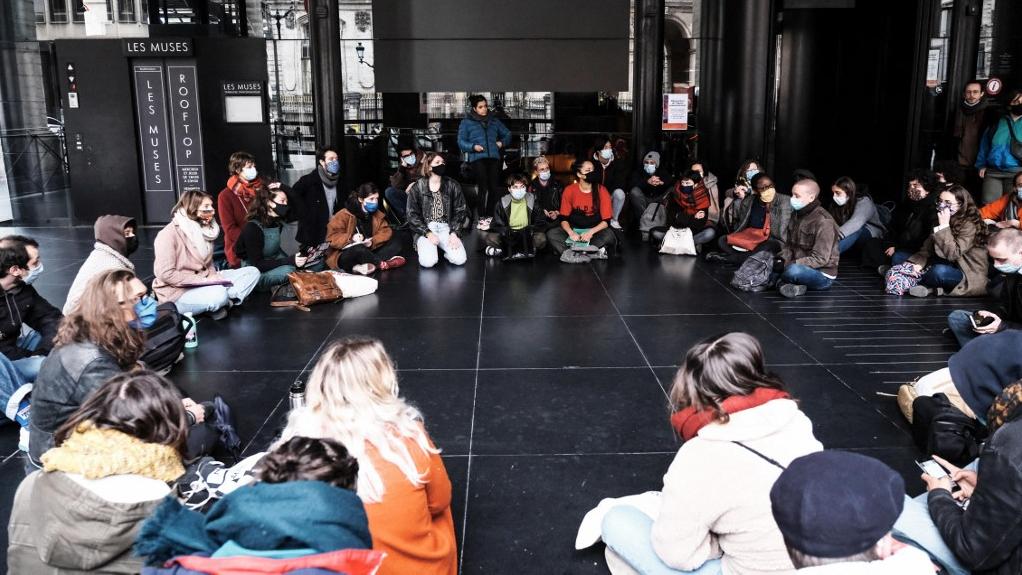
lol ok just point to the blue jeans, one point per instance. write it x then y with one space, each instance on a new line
860 237
900 257
806 276
942 275
626 531
14 386
915 526
397 200
211 298
961 325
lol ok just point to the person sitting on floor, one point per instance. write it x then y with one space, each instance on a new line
855 214
184 267
259 243
29 322
729 219
548 192
762 217
836 510
317 198
234 200
437 214
912 223
810 252
406 174
112 461
302 513
650 184
352 397
688 206
1004 211
740 429
518 222
612 173
116 240
1005 250
585 213
955 255
361 240
709 181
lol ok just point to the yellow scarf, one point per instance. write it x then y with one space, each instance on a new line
97 453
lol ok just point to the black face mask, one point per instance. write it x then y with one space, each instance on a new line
1016 109
130 245
281 210
439 170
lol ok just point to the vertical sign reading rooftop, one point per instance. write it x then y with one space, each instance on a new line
187 129
154 138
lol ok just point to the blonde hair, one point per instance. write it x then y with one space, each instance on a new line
352 397
539 161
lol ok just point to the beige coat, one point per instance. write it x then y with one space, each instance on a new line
964 251
178 264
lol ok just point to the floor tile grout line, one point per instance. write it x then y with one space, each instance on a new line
628 329
472 426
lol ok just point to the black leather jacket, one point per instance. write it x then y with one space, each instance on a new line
23 305
420 205
987 536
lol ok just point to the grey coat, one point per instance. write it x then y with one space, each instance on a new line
780 214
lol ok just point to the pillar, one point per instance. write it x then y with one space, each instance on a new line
647 76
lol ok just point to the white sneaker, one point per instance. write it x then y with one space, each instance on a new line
614 224
601 254
493 252
23 439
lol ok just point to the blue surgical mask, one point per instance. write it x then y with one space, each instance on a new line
517 193
371 207
606 153
333 167
409 160
33 274
1007 268
249 174
544 175
1018 192
650 168
797 204
145 311
749 174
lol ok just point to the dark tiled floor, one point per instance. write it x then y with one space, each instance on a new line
545 384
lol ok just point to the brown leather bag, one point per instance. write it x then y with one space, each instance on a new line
314 287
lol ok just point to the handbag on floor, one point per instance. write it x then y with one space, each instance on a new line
314 287
901 278
940 428
654 216
678 242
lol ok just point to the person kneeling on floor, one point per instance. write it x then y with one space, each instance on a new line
585 213
518 222
810 252
1005 249
437 214
836 509
361 240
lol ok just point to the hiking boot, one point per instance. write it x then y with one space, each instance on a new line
792 290
919 291
574 257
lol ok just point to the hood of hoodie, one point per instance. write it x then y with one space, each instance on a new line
109 230
759 422
75 528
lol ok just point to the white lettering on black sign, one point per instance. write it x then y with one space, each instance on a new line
242 88
154 136
187 128
157 47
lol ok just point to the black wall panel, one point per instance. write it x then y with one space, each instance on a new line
105 171
515 45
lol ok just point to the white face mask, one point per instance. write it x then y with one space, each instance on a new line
409 160
650 168
840 200
544 175
517 193
606 153
249 173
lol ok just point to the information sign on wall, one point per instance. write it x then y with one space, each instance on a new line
154 138
675 112
183 95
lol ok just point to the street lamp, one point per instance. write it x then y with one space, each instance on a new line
283 158
360 51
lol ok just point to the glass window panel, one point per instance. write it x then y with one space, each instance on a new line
58 11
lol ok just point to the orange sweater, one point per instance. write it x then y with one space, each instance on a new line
997 210
413 525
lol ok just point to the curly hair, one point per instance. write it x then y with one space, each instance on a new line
99 318
967 215
309 459
259 210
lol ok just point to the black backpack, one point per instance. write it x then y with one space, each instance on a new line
940 428
165 340
754 273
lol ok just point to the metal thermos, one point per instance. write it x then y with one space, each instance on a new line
296 394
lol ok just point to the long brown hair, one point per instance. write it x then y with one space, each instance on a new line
99 318
718 368
259 210
144 405
842 213
967 215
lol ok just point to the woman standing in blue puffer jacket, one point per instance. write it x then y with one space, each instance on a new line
483 137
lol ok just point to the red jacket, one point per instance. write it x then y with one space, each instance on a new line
347 561
232 207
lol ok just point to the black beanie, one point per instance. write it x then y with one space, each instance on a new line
836 504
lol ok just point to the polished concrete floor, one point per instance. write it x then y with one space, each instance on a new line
545 384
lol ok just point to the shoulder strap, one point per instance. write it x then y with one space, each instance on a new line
760 455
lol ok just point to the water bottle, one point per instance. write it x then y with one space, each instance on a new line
191 334
296 394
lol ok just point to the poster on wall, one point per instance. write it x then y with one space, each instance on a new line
183 95
675 112
243 102
154 138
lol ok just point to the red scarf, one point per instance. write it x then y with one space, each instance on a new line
244 190
699 199
688 421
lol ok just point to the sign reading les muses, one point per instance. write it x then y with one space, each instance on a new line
184 120
154 135
157 47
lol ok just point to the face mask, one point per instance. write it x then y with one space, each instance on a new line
916 194
1007 268
650 168
517 193
145 311
749 174
767 195
33 275
409 160
281 210
588 178
439 170
797 204
130 245
840 200
544 175
371 207
332 167
606 153
249 174
687 189
1016 109
1018 193
947 206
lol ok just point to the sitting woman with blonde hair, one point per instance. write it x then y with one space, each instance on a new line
352 397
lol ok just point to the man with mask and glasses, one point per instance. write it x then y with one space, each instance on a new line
974 115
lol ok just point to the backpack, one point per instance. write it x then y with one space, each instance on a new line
940 428
655 215
165 340
754 274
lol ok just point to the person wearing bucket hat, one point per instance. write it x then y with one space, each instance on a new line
835 510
